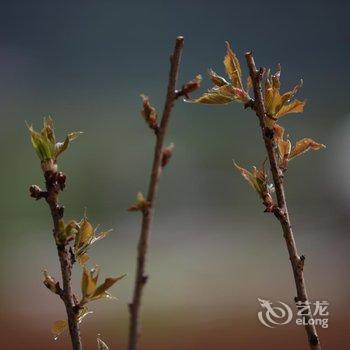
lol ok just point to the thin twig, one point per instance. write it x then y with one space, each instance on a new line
281 211
148 211
55 181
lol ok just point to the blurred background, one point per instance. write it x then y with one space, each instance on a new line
213 250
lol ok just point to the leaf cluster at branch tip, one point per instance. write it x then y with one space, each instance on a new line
45 144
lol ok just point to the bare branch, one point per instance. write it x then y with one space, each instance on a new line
147 213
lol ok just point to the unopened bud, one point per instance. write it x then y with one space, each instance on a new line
36 192
191 86
50 283
268 202
149 113
166 154
141 203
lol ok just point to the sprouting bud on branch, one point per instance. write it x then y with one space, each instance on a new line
141 203
51 283
285 150
45 144
166 154
258 180
81 232
278 105
71 229
190 86
85 236
303 146
149 113
269 105
223 91
284 147
89 289
36 192
66 232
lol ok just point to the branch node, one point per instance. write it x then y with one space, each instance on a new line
144 279
36 192
60 245
72 256
268 132
179 93
249 104
60 210
61 180
76 301
260 73
301 262
279 213
59 289
77 308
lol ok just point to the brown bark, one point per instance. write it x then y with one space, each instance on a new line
281 210
147 213
55 181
